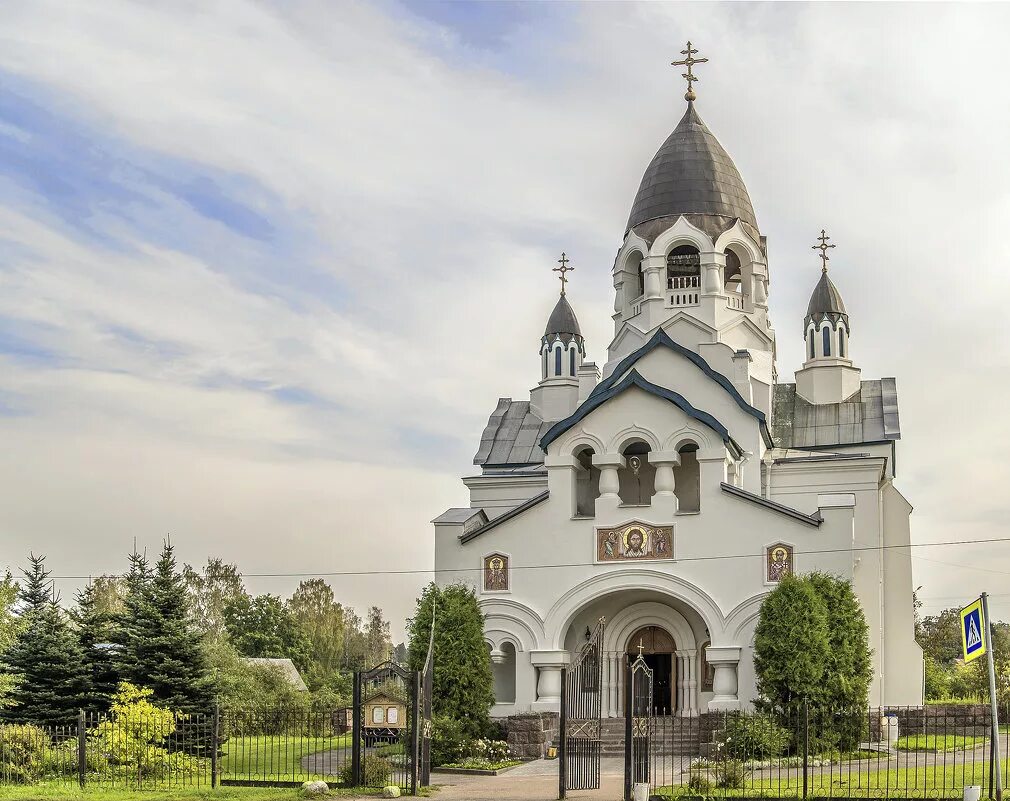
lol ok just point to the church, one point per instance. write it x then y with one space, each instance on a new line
668 491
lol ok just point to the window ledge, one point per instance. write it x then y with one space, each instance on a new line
689 512
583 517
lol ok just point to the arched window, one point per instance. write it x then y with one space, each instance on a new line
641 279
571 361
503 671
826 336
733 275
841 343
557 360
635 277
587 484
638 476
545 362
687 479
812 354
683 268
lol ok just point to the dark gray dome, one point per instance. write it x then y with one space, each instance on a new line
826 299
691 174
563 320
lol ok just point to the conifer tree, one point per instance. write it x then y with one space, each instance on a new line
96 632
130 652
45 657
171 660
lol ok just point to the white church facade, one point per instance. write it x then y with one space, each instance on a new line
670 491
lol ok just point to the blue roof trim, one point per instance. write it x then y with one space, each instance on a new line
662 338
634 379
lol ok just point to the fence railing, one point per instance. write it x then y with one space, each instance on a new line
226 747
908 752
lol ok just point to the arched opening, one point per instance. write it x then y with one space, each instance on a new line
683 268
571 359
634 275
732 277
545 362
503 671
657 648
810 337
557 360
687 479
826 337
587 484
841 342
638 476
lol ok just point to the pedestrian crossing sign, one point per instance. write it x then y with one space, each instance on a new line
973 640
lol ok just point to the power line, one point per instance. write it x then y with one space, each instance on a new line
716 557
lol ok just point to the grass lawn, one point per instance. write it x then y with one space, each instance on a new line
276 757
858 780
54 792
938 742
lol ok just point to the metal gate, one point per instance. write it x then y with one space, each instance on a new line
387 706
581 710
638 725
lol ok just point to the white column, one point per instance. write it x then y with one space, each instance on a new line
664 461
549 681
605 688
725 659
618 663
678 707
692 683
615 682
609 464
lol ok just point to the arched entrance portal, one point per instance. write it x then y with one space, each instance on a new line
657 648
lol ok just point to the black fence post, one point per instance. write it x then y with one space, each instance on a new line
806 745
82 748
356 730
215 745
563 737
628 735
415 705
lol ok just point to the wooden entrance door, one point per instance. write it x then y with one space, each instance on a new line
657 648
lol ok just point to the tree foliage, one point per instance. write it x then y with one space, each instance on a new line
210 592
790 645
44 657
463 685
263 626
95 624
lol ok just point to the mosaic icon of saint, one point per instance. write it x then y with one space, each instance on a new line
779 563
610 546
635 544
495 576
660 543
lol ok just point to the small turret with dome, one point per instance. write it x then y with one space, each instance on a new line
827 375
562 351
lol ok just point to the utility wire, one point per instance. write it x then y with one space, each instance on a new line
717 557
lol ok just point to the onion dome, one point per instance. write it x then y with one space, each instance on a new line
692 174
563 324
826 299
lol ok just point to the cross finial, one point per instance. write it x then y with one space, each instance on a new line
564 268
689 76
641 646
824 247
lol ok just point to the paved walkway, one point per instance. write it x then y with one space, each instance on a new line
532 781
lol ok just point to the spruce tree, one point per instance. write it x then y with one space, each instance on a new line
172 660
96 632
131 649
45 657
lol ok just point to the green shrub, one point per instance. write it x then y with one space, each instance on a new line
699 784
730 774
376 772
752 736
23 750
447 740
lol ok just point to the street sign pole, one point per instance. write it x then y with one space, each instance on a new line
998 773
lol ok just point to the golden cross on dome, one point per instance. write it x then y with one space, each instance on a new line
689 62
824 247
564 268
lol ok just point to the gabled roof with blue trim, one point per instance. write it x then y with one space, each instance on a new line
634 379
662 339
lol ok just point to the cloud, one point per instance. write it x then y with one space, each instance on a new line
296 254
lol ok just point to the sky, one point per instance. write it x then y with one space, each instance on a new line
266 267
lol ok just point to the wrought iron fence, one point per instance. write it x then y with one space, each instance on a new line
907 752
226 747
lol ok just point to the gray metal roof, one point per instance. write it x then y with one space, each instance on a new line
459 515
691 174
871 415
285 666
512 435
562 319
826 299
